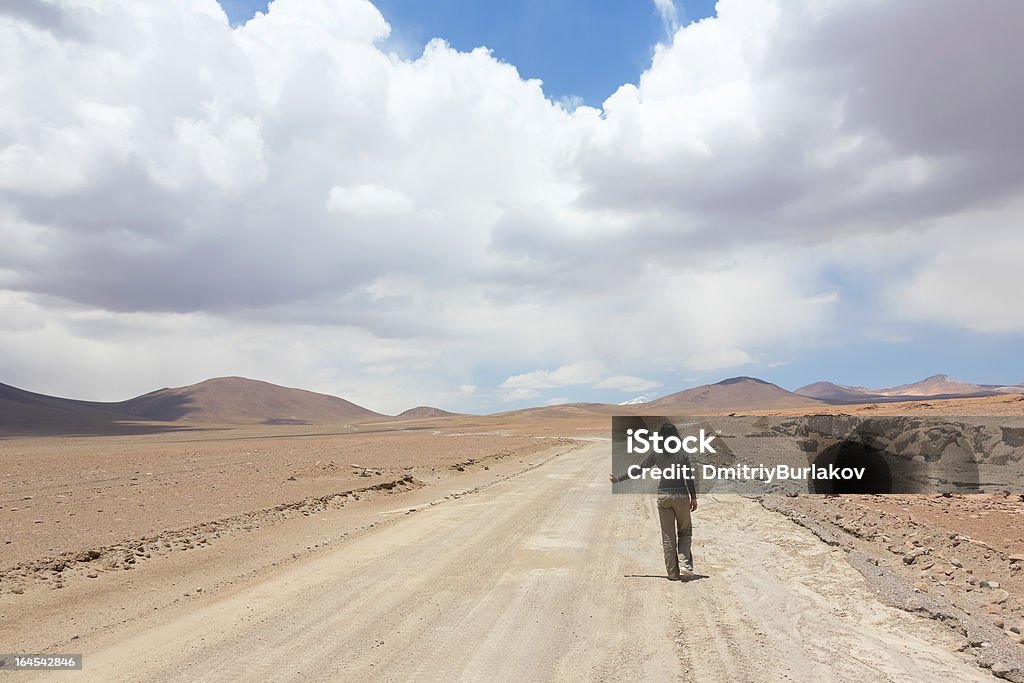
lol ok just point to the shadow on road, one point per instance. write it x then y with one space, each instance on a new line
685 579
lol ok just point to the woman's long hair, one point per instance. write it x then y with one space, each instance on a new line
668 429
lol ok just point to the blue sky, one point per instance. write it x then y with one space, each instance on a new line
578 48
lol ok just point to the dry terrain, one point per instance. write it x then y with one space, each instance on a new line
469 547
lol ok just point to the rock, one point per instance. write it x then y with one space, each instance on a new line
994 609
999 622
913 555
989 584
291 479
956 563
1002 669
921 587
999 596
17 590
1016 557
92 575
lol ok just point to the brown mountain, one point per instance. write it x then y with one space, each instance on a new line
936 385
225 400
736 393
237 400
836 393
426 411
28 412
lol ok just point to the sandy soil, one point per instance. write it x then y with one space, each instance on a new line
537 572
64 496
473 547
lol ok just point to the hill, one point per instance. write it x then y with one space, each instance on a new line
426 411
28 412
936 386
736 393
237 400
836 393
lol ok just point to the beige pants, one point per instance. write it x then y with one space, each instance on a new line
676 531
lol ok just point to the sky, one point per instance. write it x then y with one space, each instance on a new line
486 206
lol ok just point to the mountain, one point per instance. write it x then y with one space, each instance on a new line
828 391
736 393
936 385
426 411
636 401
28 412
224 400
237 400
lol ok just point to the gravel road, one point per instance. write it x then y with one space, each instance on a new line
546 576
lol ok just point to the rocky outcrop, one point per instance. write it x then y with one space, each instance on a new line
911 438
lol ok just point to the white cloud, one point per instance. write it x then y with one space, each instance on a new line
718 359
583 372
402 227
669 14
626 383
518 395
368 200
965 281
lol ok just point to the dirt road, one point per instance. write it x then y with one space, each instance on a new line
547 576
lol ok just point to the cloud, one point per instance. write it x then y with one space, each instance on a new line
669 14
965 282
626 383
518 395
718 359
180 198
368 200
583 372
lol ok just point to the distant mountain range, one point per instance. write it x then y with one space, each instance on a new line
936 386
223 400
241 401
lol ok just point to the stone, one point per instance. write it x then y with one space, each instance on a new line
1002 669
910 557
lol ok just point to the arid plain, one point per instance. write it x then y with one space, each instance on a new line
188 547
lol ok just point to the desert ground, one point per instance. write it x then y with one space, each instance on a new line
482 547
